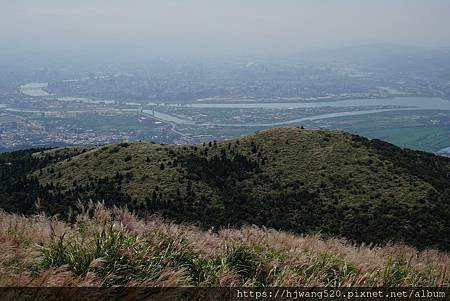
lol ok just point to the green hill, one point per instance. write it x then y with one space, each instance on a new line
305 181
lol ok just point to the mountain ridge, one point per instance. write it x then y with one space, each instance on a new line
304 181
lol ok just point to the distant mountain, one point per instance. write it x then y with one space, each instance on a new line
304 181
389 57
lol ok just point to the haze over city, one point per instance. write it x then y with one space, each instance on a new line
139 29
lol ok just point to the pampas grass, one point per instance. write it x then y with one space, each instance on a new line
108 247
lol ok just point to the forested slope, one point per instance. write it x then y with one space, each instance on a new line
288 178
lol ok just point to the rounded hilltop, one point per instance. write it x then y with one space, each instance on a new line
300 180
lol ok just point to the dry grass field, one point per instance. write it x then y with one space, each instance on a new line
107 247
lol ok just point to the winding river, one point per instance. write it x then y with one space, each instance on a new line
391 104
424 103
396 104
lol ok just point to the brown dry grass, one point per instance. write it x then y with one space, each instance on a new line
182 255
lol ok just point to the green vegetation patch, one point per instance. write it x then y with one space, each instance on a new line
305 181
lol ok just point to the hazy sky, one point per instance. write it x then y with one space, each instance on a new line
201 26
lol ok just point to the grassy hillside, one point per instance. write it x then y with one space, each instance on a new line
305 181
114 247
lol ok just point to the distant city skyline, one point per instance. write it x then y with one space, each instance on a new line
216 27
